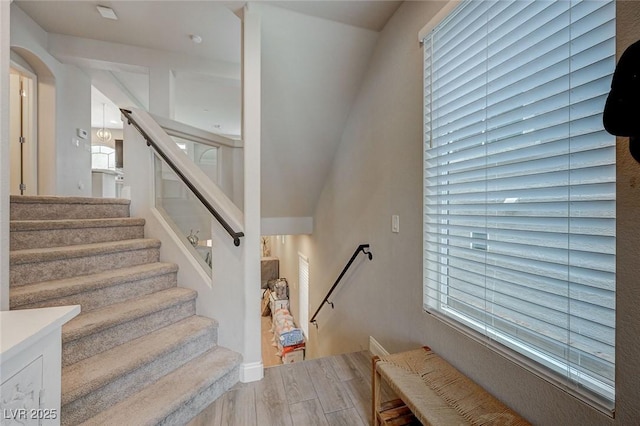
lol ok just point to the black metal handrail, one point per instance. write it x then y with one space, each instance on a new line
364 248
235 235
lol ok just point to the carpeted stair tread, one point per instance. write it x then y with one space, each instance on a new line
18 257
153 404
104 318
29 234
56 207
55 289
56 199
39 225
90 374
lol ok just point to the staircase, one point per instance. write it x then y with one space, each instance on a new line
137 354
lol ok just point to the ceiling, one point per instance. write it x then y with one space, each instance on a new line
314 57
200 100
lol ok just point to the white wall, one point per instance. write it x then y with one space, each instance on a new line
311 72
377 172
4 156
252 368
66 90
73 155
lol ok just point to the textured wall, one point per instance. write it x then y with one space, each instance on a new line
377 172
627 250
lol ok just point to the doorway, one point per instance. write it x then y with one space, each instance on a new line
23 132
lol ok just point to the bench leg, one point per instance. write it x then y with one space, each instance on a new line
375 391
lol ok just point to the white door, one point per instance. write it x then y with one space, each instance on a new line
303 284
22 137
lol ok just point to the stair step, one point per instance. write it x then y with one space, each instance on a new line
45 264
180 395
24 207
97 383
96 290
28 234
137 352
102 329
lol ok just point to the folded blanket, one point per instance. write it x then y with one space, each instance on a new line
287 349
292 337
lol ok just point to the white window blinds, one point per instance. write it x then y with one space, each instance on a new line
519 216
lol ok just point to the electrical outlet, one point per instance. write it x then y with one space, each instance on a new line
395 224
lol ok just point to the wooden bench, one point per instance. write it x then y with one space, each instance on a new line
432 392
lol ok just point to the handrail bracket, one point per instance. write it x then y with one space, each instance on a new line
365 250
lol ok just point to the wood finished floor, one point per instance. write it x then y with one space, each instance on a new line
327 391
269 356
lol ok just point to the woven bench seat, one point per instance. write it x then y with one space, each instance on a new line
435 393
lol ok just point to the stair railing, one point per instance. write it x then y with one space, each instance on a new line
236 235
364 248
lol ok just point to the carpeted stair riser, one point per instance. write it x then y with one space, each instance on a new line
52 208
36 234
82 403
96 291
177 397
184 413
95 340
36 265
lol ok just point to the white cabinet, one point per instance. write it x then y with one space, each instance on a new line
21 395
30 365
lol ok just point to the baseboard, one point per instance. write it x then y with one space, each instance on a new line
251 372
376 348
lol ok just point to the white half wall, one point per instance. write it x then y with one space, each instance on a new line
221 296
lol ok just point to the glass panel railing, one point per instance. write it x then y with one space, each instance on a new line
190 201
204 156
182 210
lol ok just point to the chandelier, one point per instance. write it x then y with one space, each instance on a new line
103 134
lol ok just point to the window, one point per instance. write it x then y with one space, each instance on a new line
103 157
303 281
519 216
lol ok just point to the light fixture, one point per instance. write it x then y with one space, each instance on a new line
103 134
107 12
195 38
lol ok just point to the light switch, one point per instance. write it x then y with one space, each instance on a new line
395 223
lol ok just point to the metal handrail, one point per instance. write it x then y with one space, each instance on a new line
361 248
235 235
